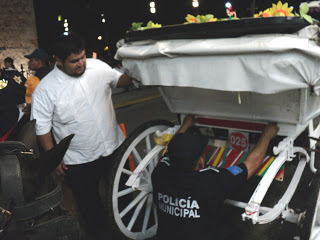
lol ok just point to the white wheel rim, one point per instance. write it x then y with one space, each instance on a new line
315 230
142 204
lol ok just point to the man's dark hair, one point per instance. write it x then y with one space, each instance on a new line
10 61
68 44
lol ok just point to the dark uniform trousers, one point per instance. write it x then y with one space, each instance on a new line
83 179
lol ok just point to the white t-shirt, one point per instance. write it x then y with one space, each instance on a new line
81 106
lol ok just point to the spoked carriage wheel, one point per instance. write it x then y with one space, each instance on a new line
311 223
131 213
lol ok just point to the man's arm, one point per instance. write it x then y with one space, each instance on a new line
256 156
46 143
188 121
124 81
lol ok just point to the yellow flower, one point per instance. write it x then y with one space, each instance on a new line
156 25
265 13
190 18
200 18
281 10
151 24
212 20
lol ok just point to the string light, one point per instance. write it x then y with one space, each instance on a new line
152 7
66 27
195 3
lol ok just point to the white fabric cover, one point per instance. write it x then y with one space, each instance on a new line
267 63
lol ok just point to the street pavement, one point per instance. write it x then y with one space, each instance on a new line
139 106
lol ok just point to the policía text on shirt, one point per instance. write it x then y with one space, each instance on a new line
180 207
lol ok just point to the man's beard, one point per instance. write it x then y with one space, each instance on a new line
78 74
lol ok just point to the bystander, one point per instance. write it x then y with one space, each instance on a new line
75 98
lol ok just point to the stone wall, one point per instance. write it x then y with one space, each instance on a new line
18 33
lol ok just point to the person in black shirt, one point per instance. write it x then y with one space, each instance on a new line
12 92
189 196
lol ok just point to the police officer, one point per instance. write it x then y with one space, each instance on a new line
10 73
189 196
12 93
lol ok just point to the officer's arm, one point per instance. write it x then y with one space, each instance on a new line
124 81
188 121
45 141
256 156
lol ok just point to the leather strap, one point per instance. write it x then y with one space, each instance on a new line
11 184
14 148
11 180
39 206
56 229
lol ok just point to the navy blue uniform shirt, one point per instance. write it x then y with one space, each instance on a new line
10 96
189 203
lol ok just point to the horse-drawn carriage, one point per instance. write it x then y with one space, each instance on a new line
235 76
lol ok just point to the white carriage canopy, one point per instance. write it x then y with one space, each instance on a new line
261 63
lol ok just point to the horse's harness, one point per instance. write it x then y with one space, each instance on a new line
13 206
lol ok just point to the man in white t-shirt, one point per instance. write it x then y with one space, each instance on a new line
75 98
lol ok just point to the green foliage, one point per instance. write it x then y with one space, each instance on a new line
136 26
304 9
204 18
149 24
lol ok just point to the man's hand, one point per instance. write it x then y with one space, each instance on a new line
188 121
270 131
27 108
124 81
256 156
60 169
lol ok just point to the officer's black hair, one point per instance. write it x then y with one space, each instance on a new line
187 163
9 60
68 44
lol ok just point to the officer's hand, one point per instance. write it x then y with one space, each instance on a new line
270 131
27 108
60 169
188 121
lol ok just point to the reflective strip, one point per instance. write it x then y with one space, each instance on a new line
209 168
218 157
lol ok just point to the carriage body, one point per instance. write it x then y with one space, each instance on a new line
255 77
243 72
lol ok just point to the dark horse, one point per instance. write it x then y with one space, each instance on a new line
30 200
